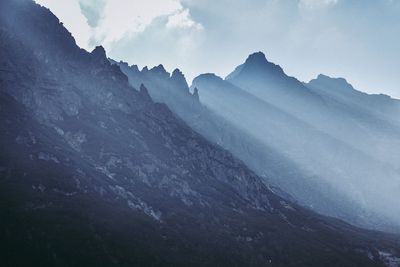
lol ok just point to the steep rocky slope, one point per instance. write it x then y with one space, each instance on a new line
94 173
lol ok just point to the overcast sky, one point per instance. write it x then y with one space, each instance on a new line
355 39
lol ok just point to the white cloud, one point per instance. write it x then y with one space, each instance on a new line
182 19
94 22
123 17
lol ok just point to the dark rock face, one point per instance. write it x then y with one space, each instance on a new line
93 173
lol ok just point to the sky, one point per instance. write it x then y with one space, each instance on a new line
355 39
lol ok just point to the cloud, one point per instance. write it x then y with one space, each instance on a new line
182 19
171 44
105 22
123 17
92 10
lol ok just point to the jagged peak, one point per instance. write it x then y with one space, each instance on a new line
257 57
177 73
159 68
160 72
122 63
255 63
179 80
259 60
99 52
134 67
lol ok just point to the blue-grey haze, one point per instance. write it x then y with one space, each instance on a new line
355 39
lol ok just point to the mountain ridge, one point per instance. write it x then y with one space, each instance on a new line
93 173
333 117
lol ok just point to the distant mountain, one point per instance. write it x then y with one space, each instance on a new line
270 159
339 149
257 71
215 128
171 89
95 173
267 81
340 90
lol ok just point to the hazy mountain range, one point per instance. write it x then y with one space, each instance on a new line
329 146
103 164
346 143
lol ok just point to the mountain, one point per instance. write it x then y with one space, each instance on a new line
171 89
340 90
257 71
214 127
272 159
342 152
94 173
356 127
272 164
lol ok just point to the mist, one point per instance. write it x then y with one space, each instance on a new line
343 148
103 163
